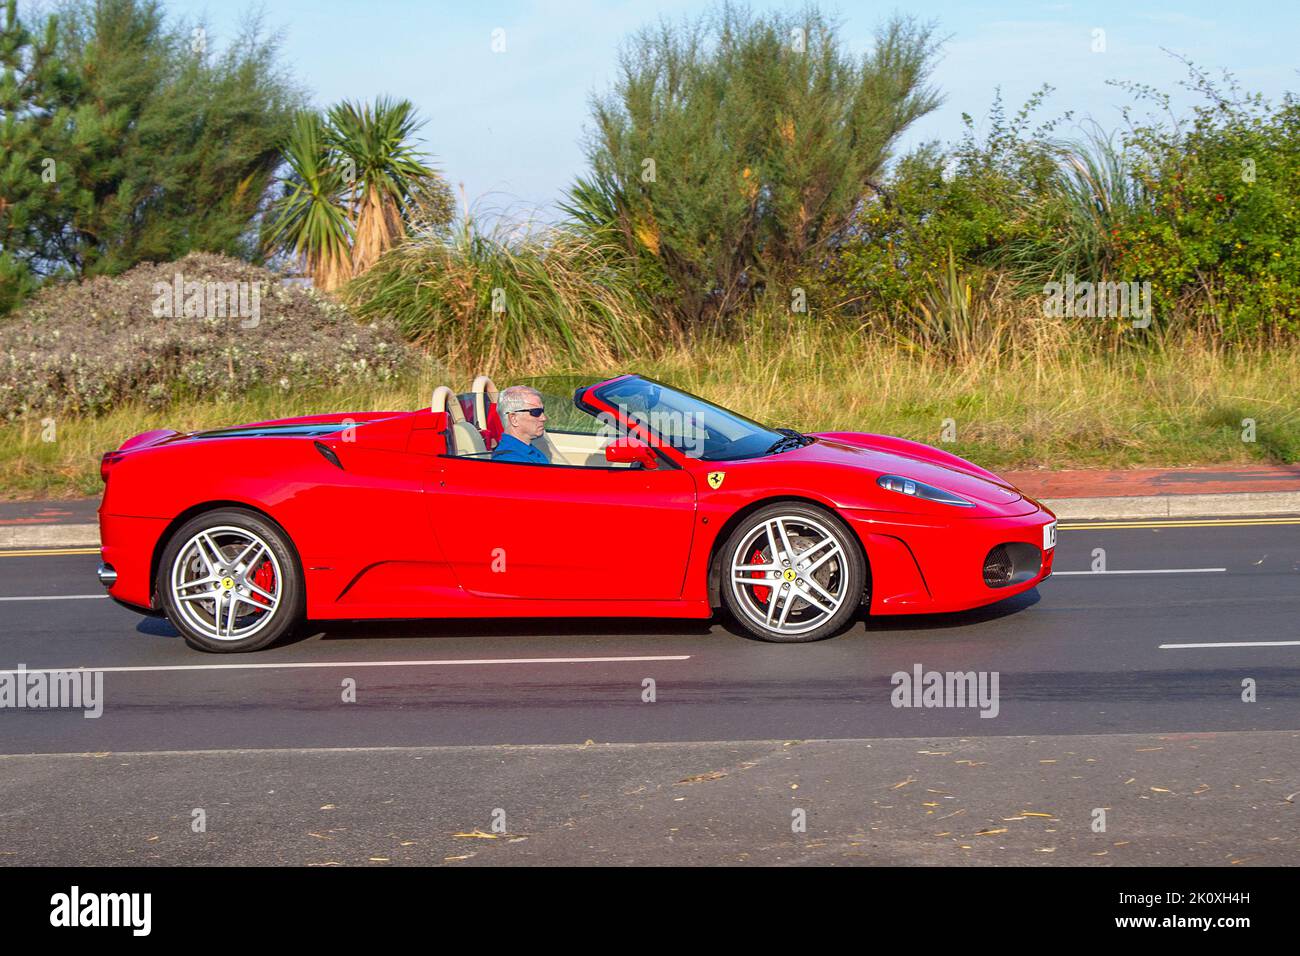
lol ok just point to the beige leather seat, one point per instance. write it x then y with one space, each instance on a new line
465 438
547 448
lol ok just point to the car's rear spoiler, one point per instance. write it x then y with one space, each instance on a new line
145 439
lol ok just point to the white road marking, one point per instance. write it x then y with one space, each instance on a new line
1148 571
1175 647
303 664
59 597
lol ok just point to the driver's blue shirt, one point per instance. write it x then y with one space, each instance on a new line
510 448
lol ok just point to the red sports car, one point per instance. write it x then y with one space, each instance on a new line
655 503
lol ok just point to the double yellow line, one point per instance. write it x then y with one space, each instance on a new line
1174 523
41 552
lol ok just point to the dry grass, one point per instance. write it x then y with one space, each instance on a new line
1056 398
1048 406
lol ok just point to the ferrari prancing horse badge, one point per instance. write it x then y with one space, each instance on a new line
715 479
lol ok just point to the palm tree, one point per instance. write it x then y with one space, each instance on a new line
353 179
310 220
389 170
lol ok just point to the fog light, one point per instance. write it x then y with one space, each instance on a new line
107 575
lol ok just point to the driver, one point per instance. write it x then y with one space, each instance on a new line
523 420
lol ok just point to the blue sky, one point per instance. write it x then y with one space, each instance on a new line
509 125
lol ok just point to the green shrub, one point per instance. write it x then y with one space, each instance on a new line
1224 220
969 204
1206 209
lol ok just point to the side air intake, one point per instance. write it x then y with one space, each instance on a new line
1012 563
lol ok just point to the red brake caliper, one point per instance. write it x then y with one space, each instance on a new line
761 593
264 578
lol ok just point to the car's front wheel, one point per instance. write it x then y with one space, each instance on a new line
229 582
792 573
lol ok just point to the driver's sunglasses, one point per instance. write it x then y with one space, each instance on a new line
537 412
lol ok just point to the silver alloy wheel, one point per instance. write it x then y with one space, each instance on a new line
798 582
212 582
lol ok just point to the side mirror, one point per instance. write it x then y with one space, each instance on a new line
630 451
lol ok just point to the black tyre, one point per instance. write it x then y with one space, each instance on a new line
792 573
229 581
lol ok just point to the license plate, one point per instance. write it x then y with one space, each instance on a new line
1049 536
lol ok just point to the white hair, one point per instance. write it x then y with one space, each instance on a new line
515 398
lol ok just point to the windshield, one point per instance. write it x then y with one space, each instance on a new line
691 425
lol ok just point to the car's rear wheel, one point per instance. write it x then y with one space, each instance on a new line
792 573
229 582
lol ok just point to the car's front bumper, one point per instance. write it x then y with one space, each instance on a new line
921 564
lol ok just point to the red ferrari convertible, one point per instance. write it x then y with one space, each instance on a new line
655 503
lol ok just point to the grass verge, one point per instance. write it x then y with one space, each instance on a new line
1057 404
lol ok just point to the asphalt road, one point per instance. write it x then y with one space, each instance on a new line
1086 653
1093 657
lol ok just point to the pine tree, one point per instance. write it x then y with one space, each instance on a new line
35 201
127 139
734 150
178 144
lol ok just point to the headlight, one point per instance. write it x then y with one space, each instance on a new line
919 489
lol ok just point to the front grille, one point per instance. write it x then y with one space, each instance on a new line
998 568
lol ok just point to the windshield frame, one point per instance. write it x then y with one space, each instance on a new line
754 445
